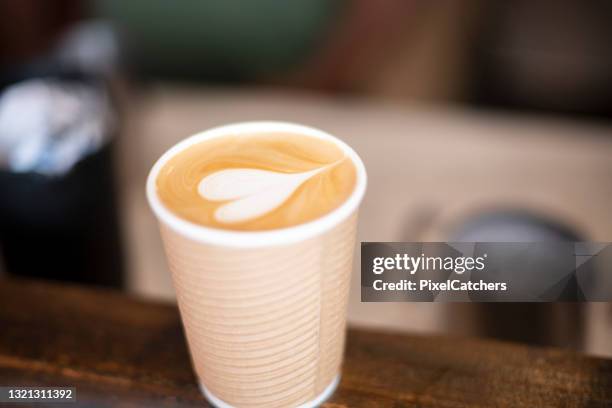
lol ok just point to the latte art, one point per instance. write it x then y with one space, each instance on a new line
255 192
256 182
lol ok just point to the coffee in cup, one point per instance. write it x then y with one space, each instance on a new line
258 222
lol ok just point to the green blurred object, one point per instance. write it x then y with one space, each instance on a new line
223 40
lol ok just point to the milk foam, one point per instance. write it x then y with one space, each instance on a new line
251 192
255 182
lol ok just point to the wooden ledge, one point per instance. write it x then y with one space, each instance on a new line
118 350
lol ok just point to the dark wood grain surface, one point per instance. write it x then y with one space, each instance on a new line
120 351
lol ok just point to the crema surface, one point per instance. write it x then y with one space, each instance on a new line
257 181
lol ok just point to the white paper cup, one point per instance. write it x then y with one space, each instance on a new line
264 312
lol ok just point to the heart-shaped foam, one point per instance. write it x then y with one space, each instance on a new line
250 193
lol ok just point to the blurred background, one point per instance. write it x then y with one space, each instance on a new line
477 120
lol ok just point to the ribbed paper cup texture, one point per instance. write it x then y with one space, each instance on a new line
265 326
264 312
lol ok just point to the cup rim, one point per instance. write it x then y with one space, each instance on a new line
255 239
